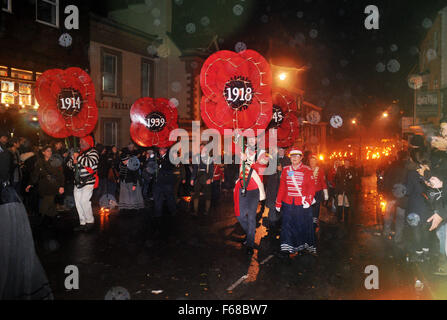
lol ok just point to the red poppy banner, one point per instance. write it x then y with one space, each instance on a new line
67 105
236 91
152 122
284 117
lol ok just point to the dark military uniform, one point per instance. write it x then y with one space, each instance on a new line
345 182
201 173
163 188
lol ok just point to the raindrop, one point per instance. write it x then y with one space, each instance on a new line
394 48
336 121
157 22
313 33
179 2
221 40
300 38
238 9
300 14
176 86
264 18
379 50
431 55
240 46
339 76
393 66
325 82
152 50
205 21
414 50
292 43
427 23
380 67
191 28
53 245
173 102
155 12
344 63
341 12
148 3
117 293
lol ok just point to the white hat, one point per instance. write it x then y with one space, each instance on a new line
296 152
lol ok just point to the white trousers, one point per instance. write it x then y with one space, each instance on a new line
82 198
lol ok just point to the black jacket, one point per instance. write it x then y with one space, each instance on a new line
416 190
165 171
48 178
5 164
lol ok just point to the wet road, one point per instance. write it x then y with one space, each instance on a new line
203 258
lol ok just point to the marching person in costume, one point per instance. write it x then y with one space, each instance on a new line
271 183
344 189
131 197
163 189
321 192
295 197
201 179
85 165
248 191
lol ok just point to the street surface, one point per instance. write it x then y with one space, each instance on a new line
203 258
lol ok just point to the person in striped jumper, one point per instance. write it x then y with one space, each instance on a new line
85 166
295 197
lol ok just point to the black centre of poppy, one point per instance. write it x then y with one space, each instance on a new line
238 93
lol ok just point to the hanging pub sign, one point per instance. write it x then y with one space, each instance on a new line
426 103
67 103
236 91
152 122
313 117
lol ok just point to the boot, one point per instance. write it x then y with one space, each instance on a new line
207 206
346 216
339 213
441 269
196 207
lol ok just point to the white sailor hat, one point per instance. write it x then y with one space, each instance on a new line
295 152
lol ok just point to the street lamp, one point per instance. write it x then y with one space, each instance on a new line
282 76
385 115
354 121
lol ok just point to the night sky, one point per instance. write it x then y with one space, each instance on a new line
352 71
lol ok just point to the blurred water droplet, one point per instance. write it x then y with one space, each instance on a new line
190 28
117 293
393 66
238 9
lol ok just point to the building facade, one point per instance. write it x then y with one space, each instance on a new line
33 39
122 72
431 92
